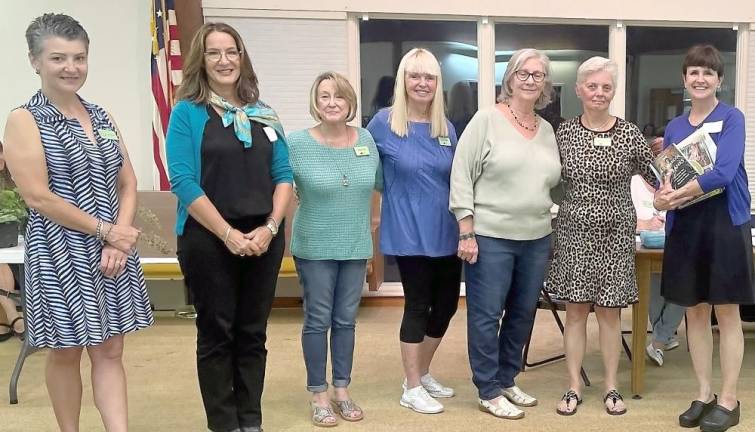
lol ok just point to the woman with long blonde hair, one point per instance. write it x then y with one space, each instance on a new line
416 144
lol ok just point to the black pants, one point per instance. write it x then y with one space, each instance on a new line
431 295
233 296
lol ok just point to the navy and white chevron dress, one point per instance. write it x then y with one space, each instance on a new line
69 303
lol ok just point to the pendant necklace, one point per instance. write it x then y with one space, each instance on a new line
520 123
599 128
344 177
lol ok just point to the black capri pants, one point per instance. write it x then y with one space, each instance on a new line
431 295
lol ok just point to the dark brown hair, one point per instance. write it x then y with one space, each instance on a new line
195 86
704 55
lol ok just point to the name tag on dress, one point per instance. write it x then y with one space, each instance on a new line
444 141
362 151
108 134
601 141
270 132
713 127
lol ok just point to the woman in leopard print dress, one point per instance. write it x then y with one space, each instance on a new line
593 261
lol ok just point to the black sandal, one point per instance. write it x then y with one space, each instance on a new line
615 396
13 331
10 294
5 336
568 397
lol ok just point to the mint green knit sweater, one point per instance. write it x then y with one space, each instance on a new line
332 221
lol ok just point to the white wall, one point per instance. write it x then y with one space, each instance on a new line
119 70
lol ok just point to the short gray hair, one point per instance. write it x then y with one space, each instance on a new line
597 64
517 60
53 25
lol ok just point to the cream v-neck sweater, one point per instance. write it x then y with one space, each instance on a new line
504 180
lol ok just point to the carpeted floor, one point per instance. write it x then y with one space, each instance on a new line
163 392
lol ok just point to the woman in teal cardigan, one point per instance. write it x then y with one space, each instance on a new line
228 165
336 168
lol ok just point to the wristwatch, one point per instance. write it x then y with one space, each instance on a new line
272 226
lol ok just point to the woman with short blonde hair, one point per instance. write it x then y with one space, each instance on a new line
336 167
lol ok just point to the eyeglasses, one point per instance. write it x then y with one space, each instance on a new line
230 55
523 75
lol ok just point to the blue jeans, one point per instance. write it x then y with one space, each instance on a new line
332 290
665 317
507 276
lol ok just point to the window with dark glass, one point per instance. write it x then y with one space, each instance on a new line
655 92
567 46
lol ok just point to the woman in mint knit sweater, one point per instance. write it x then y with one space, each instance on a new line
336 168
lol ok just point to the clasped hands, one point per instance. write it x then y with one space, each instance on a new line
120 242
668 198
255 242
467 250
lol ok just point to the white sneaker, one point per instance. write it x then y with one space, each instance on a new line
673 343
655 354
516 396
419 400
436 389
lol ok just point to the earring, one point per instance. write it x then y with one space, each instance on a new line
36 71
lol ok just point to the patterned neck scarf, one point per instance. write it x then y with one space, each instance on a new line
240 117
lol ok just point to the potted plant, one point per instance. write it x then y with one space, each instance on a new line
12 216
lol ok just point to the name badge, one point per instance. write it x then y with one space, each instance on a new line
602 142
108 134
361 150
444 141
270 132
713 127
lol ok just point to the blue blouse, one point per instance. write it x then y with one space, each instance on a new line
415 219
729 168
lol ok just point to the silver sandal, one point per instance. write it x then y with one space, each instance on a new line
347 408
321 414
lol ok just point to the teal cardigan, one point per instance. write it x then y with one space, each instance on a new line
184 151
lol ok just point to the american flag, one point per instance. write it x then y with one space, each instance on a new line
166 75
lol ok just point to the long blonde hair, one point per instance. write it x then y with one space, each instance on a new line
195 86
418 60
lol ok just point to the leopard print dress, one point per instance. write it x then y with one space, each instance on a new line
593 257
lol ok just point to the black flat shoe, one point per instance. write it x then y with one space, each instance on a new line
696 411
719 419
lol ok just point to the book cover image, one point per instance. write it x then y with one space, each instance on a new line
699 149
686 161
671 160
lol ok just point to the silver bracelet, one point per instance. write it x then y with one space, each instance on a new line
227 233
98 231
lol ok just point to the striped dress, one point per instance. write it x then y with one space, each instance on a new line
69 302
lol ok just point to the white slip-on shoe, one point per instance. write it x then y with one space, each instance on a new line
502 409
436 389
419 400
655 354
516 396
